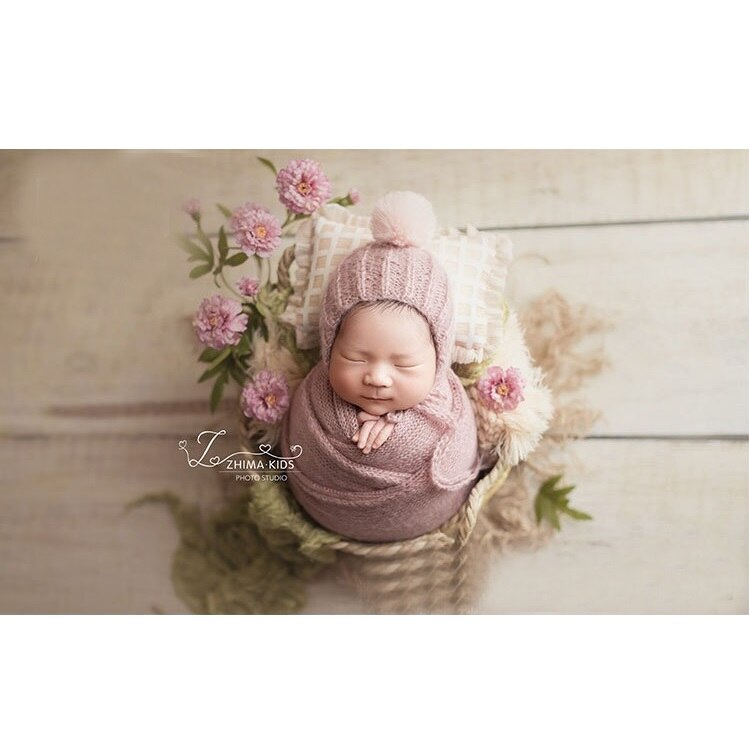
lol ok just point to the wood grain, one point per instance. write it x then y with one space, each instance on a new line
13 168
669 535
99 364
676 299
95 352
483 187
669 532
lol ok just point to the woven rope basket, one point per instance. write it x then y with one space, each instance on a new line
427 574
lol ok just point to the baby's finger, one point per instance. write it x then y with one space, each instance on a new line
355 437
383 435
372 436
364 433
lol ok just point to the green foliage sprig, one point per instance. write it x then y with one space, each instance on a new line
551 502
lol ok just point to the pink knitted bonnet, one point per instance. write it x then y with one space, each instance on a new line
394 266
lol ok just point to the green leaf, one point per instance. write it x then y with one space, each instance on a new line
243 347
271 301
537 508
237 372
206 242
208 374
269 165
223 246
551 482
220 357
576 514
551 502
548 511
217 365
196 253
226 212
236 259
287 337
199 271
218 390
562 492
209 354
239 379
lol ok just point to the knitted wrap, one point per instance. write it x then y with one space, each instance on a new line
412 484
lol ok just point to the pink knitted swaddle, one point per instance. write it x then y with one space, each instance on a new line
423 473
414 482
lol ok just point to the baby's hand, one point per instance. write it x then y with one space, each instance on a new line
373 431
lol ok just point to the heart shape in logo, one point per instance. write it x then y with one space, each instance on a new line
182 444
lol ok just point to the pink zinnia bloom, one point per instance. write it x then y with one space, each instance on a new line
501 390
302 186
266 397
255 229
219 322
192 208
248 286
354 196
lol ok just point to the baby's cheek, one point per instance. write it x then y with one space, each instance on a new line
425 382
418 385
341 380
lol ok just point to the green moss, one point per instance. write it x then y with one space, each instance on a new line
287 531
251 557
470 372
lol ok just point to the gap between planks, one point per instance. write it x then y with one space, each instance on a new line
543 226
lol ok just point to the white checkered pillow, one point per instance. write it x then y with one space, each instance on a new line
476 264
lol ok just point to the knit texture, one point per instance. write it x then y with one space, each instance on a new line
381 271
422 474
413 483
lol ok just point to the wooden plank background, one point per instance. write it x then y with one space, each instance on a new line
99 364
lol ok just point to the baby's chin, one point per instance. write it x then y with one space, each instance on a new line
376 407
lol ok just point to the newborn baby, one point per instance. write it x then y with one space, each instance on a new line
388 436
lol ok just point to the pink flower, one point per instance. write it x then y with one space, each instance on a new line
248 286
302 186
266 397
354 196
219 322
192 208
255 229
501 390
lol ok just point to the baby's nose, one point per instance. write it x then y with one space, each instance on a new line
378 377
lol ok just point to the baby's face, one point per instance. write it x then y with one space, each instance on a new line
383 360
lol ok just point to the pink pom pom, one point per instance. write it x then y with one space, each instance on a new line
403 219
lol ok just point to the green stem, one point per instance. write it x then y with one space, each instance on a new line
293 218
264 276
229 286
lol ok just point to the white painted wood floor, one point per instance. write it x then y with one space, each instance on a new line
99 365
